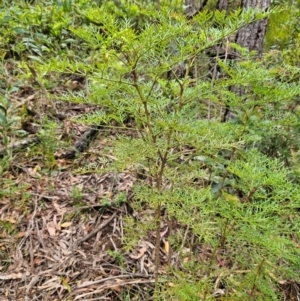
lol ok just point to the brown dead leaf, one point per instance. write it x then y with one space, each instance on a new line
20 234
38 261
30 97
167 247
11 276
141 252
57 207
116 287
82 253
54 282
66 224
51 229
10 220
162 234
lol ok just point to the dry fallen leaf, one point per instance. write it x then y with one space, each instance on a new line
167 247
10 220
140 254
11 276
20 234
66 224
51 228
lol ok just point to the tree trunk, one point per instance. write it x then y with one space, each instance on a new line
252 36
222 4
192 7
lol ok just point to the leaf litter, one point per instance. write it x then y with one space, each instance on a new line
60 240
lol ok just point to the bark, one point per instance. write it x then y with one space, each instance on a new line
252 36
222 4
192 7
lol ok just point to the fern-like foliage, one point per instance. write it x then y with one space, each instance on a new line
231 185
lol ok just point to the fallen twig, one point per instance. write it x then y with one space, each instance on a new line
95 231
89 283
82 143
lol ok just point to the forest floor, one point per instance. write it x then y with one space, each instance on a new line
62 220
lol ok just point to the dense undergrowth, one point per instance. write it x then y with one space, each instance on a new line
221 198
